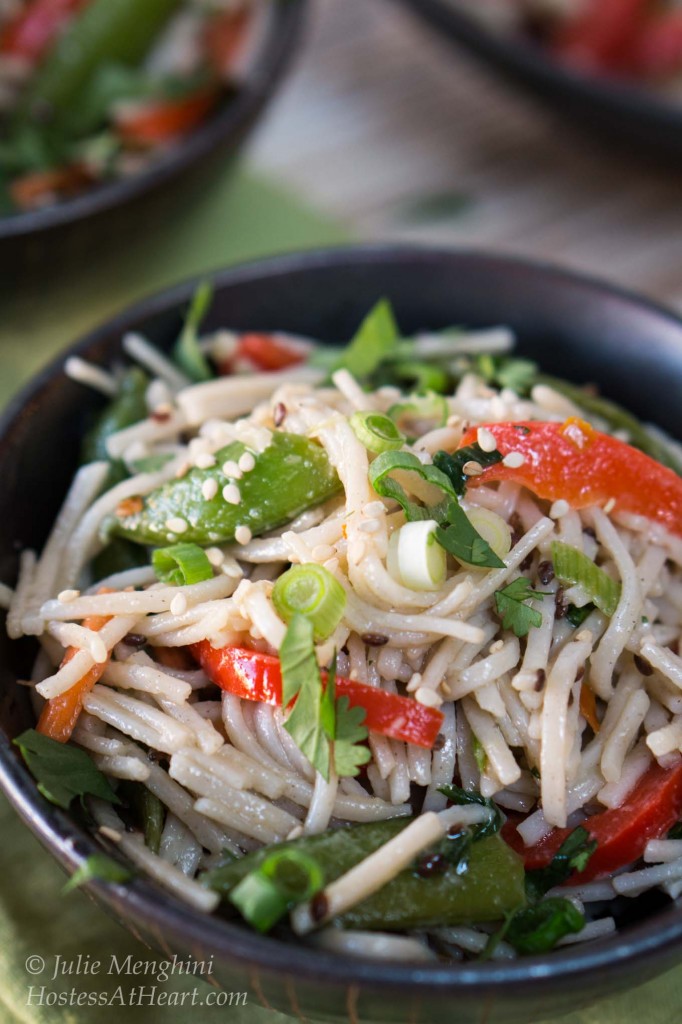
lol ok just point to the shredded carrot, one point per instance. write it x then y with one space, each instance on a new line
588 708
60 714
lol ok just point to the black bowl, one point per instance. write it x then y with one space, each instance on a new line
576 327
635 115
80 230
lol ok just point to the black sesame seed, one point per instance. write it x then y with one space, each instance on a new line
643 667
374 639
545 573
319 906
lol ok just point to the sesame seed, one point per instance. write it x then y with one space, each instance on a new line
178 605
232 494
559 509
204 460
176 524
514 460
495 647
472 468
209 489
247 462
610 505
230 468
486 439
215 556
428 697
182 470
242 535
68 595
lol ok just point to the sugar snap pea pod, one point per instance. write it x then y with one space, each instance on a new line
106 31
491 885
291 475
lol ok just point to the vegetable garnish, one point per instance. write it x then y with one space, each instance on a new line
538 928
187 353
457 795
419 412
311 590
516 613
454 531
454 465
324 728
376 336
584 467
415 558
255 676
182 564
147 811
59 714
62 772
284 879
651 809
573 855
100 867
377 432
573 567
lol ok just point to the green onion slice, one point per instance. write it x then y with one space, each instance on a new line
182 564
573 567
419 414
284 879
377 432
422 562
310 590
187 352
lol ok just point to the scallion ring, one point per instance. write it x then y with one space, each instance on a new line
377 432
419 414
312 591
284 879
492 528
421 561
182 564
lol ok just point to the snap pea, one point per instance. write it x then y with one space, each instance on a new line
119 31
291 475
491 886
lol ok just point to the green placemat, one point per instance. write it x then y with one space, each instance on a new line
40 929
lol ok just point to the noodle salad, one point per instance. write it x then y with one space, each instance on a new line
375 646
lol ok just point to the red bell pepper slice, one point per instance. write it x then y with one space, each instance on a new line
33 30
152 122
652 808
268 352
585 467
658 52
255 676
603 36
224 37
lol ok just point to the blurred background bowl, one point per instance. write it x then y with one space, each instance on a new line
74 231
637 116
575 327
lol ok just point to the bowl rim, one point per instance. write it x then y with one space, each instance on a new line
523 56
285 23
141 899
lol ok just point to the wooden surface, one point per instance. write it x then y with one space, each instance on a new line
381 116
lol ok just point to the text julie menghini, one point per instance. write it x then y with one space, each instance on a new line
149 993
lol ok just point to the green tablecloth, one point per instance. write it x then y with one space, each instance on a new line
235 220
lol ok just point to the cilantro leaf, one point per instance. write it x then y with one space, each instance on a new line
374 339
511 606
507 372
301 680
538 928
350 751
453 465
321 725
99 866
573 855
62 772
457 795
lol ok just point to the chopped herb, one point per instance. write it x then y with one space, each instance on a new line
319 724
480 756
507 372
676 831
573 855
576 616
98 866
511 606
457 795
375 338
538 928
453 465
187 353
61 771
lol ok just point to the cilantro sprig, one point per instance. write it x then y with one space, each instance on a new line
323 726
516 613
